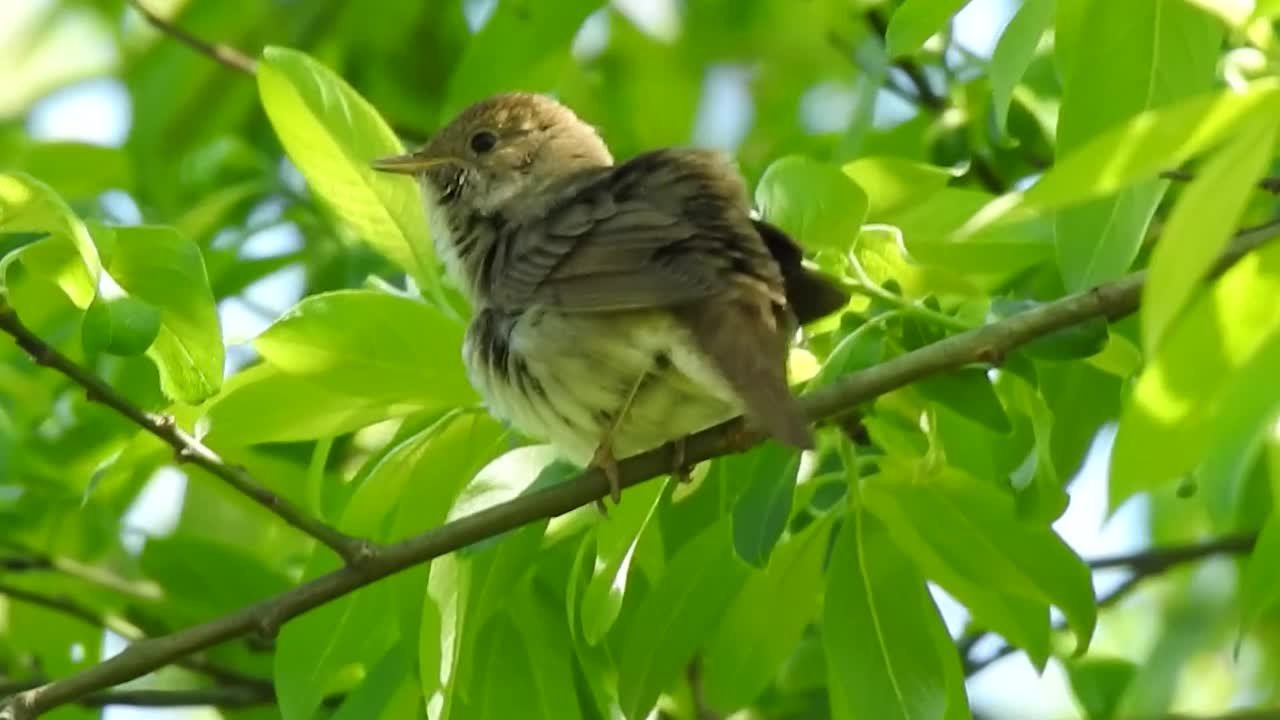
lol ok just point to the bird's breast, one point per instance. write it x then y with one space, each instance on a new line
563 377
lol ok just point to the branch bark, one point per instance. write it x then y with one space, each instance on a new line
186 448
983 345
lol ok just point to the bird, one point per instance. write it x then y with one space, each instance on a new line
618 307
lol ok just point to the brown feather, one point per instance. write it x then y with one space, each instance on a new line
810 294
750 351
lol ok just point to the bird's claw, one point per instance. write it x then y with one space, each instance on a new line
680 470
608 464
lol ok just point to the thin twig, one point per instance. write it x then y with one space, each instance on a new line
924 92
925 96
186 448
222 54
982 345
1144 564
127 630
234 59
1266 184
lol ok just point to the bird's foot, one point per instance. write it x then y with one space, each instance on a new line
608 464
680 470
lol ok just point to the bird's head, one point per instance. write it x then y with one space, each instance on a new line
499 148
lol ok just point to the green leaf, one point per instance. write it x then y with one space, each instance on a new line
1201 224
968 392
746 653
1014 52
1260 584
516 676
76 169
70 259
880 630
676 616
967 535
767 475
315 650
387 693
617 537
371 344
929 232
122 326
193 570
915 21
263 405
1099 685
1147 144
1142 54
465 592
165 270
894 183
1201 383
814 202
332 134
533 40
546 647
1232 12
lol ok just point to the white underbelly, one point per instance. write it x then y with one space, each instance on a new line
581 367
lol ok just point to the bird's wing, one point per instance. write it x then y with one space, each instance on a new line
664 229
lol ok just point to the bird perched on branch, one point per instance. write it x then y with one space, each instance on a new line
617 307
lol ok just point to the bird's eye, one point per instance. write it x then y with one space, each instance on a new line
483 141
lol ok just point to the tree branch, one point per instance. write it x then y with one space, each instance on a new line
982 345
186 448
129 631
1144 564
227 698
232 58
222 54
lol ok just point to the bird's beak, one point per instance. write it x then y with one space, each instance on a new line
410 163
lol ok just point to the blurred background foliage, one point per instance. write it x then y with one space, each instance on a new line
710 600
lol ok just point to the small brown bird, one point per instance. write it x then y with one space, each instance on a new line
617 307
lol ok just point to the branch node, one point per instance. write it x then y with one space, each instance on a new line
993 356
163 421
185 454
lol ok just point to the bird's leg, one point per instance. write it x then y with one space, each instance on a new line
680 470
603 457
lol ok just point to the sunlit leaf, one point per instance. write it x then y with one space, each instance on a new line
370 344
165 270
1200 225
915 20
745 654
815 203
967 536
69 257
1207 366
880 628
677 615
1014 52
332 134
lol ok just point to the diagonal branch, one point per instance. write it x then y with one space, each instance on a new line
1144 564
982 345
222 54
127 630
230 57
186 447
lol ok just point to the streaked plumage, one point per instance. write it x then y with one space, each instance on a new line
587 277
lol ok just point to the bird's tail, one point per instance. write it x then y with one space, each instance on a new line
751 354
